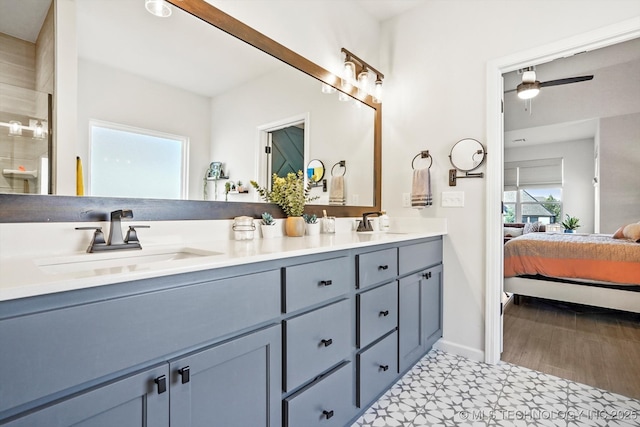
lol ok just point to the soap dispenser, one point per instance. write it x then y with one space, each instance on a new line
383 221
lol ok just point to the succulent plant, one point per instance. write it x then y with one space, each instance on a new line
267 219
310 219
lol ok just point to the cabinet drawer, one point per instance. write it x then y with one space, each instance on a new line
312 283
316 341
377 267
90 341
420 256
327 402
377 313
377 368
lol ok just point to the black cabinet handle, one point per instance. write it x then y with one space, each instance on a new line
325 283
384 313
162 383
327 414
384 367
383 267
426 275
185 373
326 343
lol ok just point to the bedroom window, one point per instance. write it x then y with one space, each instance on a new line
134 162
533 191
533 204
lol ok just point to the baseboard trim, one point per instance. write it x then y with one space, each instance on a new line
460 350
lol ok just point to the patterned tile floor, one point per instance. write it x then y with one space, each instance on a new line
448 390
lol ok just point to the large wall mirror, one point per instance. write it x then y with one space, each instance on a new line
224 91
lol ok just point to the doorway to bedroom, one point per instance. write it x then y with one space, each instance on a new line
566 340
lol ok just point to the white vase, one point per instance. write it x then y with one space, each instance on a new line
313 229
269 231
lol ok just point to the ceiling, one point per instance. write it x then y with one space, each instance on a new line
23 19
614 72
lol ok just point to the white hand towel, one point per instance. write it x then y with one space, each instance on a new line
336 192
421 189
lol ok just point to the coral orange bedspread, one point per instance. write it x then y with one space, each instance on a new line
576 256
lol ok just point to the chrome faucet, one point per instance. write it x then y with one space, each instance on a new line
365 224
115 231
115 240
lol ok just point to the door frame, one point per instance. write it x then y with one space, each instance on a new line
262 161
602 37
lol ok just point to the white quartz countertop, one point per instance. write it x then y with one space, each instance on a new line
27 276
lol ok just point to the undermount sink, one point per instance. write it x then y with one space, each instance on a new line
117 261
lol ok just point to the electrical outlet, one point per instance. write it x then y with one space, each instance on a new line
452 199
406 200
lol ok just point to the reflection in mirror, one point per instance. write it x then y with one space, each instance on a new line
315 170
26 85
151 102
467 155
224 107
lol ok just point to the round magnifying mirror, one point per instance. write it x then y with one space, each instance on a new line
467 154
315 170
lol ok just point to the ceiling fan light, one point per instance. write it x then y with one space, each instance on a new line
529 76
528 90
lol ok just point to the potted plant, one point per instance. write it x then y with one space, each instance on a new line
312 224
290 193
268 226
570 224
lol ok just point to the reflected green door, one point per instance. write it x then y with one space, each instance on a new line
287 148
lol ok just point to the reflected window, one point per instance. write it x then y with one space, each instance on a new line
133 162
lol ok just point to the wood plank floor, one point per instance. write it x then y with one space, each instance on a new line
593 346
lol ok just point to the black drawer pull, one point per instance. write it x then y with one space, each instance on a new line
383 267
384 367
185 373
426 275
162 383
327 414
326 343
325 283
384 313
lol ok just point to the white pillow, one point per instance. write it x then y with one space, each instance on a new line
512 231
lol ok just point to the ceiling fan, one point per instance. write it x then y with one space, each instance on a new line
530 87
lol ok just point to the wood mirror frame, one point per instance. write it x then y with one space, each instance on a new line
51 208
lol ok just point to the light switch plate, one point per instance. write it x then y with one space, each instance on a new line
406 200
452 199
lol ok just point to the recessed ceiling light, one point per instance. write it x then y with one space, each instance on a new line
158 8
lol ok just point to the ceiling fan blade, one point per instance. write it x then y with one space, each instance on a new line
566 81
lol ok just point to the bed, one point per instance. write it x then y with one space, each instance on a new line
590 269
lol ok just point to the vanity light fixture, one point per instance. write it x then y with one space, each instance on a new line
15 128
354 66
38 130
159 8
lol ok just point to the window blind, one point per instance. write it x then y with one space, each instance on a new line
533 172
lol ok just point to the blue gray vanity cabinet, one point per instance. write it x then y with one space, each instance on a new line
56 352
327 402
376 267
133 401
377 368
420 319
216 386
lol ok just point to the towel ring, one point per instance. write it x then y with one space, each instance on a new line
341 163
422 155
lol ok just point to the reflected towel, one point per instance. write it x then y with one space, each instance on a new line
421 189
336 192
79 178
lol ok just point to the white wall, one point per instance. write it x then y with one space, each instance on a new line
620 184
435 94
337 131
578 192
